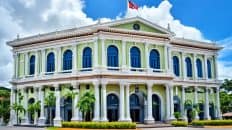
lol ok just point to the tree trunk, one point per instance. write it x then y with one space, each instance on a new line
50 115
17 118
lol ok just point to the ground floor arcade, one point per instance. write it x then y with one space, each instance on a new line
144 102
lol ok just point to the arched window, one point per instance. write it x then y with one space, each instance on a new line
154 59
134 100
32 65
50 62
112 56
135 57
87 58
67 60
209 71
188 67
199 68
176 65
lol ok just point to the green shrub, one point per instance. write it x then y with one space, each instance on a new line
179 123
177 115
211 122
99 125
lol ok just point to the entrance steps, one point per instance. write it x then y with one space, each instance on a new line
155 125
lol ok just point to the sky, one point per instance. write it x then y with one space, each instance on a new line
204 20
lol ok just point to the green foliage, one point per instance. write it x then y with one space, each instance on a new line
211 122
179 123
227 85
177 115
4 93
18 108
50 100
70 94
86 102
5 110
99 125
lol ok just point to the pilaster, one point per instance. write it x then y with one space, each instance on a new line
206 111
196 101
121 102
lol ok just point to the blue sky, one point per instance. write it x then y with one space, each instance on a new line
204 20
212 17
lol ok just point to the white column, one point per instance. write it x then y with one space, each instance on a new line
167 102
74 61
13 119
25 105
147 56
196 100
182 104
150 118
128 117
121 103
171 103
104 105
103 54
43 62
195 67
36 63
218 103
57 119
206 111
206 69
215 67
26 64
97 102
75 114
42 118
124 56
183 65
36 99
96 53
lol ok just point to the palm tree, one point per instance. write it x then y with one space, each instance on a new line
85 103
71 95
34 109
50 101
18 108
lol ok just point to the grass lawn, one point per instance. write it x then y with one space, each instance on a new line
54 128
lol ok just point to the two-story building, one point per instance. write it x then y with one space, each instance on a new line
137 70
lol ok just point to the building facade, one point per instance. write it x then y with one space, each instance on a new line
137 70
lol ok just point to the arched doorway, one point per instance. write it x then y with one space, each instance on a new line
176 101
66 108
112 107
137 107
156 107
212 111
31 114
201 113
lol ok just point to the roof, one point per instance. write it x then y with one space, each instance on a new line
228 114
91 29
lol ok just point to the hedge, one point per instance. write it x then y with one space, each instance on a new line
100 125
179 123
211 122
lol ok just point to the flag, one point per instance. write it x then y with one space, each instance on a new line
132 5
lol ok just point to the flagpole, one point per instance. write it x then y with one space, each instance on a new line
127 6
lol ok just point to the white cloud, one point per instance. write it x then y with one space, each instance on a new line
67 13
162 16
28 3
8 29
